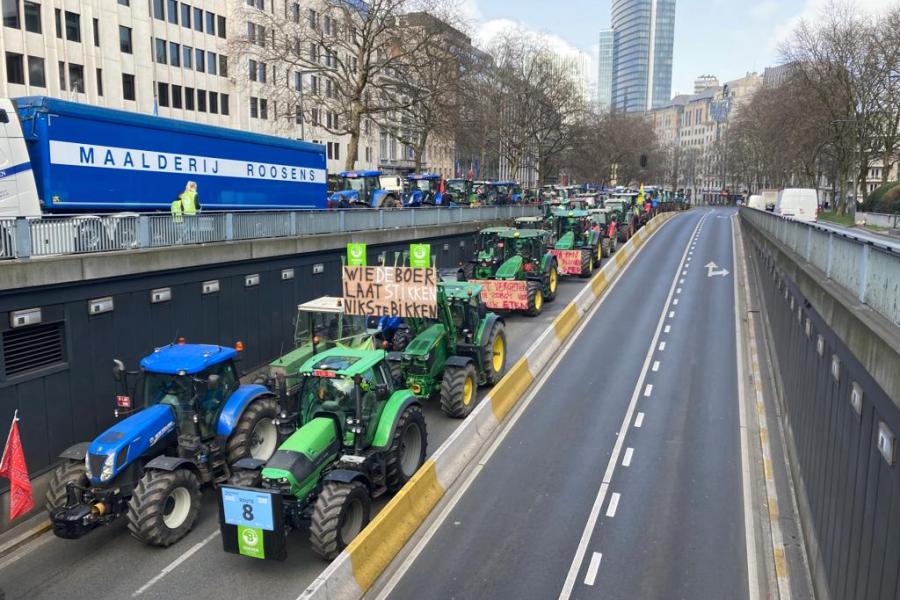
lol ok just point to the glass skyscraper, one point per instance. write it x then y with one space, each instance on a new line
605 69
644 34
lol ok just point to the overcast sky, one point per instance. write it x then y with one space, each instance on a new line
725 38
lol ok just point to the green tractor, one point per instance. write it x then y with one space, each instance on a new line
358 438
516 269
605 225
577 247
621 207
465 348
531 223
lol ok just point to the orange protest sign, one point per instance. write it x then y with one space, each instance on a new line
390 291
503 295
569 261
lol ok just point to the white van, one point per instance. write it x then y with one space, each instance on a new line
801 204
756 201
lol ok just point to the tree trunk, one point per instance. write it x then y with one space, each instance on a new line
355 125
419 150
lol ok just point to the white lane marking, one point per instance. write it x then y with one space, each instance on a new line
629 452
648 390
749 530
501 434
671 314
613 505
678 291
681 281
655 366
675 302
594 514
593 568
174 564
662 346
684 272
667 329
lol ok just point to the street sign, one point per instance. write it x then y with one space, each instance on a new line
356 255
420 256
252 522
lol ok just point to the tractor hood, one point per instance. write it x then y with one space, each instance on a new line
299 459
424 342
414 198
510 268
129 439
344 196
566 242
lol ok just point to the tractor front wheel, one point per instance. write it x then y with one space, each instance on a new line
341 511
69 471
390 202
407 450
495 354
587 263
459 389
164 506
552 282
535 299
605 248
255 435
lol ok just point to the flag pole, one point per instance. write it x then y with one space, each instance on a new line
9 435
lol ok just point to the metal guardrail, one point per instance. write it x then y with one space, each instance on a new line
54 235
869 271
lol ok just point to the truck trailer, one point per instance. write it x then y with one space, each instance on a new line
60 157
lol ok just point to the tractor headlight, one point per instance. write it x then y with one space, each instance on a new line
107 471
87 466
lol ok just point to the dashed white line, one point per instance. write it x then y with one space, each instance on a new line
671 314
648 390
626 461
655 366
593 568
639 420
675 302
684 272
678 291
662 346
681 281
174 564
667 329
613 505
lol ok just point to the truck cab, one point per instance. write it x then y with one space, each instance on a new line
362 189
18 192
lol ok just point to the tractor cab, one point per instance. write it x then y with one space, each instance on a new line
572 228
490 250
460 192
524 250
362 189
505 192
425 189
529 223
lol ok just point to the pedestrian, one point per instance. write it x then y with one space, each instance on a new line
188 204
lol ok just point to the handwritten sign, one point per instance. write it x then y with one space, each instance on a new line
390 291
569 261
504 295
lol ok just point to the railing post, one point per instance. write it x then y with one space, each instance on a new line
808 242
229 226
143 232
830 254
863 273
413 217
293 223
381 218
341 226
23 238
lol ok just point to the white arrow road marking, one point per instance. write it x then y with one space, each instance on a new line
712 272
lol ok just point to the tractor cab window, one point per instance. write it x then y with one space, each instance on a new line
357 184
176 391
353 330
425 185
326 394
463 317
457 187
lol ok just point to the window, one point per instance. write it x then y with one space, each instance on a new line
201 100
127 86
62 76
11 14
221 26
314 84
125 2
199 62
330 151
198 19
15 68
176 96
262 72
185 15
211 63
223 106
99 82
76 78
33 17
174 54
96 31
160 51
187 56
159 10
254 108
223 65
314 116
214 103
314 52
125 39
313 19
263 108
162 94
298 81
298 115
337 151
210 23
73 28
57 16
36 76
253 68
295 12
189 98
173 12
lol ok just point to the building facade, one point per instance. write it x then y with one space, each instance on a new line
605 69
644 35
705 81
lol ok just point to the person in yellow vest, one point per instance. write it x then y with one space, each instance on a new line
187 204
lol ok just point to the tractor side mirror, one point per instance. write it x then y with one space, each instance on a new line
118 369
381 390
482 310
212 382
4 116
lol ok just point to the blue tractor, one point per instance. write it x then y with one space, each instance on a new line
185 419
425 189
362 189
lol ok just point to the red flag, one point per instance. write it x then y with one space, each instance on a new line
12 466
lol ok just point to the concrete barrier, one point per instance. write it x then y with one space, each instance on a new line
355 570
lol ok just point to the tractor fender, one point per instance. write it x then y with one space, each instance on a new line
347 476
396 404
487 325
235 405
76 451
249 464
171 463
378 197
458 361
547 262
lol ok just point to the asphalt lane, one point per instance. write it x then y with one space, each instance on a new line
109 563
515 530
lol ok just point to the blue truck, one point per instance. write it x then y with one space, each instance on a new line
67 158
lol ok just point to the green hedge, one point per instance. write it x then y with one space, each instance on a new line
885 199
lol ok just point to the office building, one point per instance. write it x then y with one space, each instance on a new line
605 69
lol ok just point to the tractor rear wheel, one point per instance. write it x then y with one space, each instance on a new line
535 299
341 511
245 478
255 435
69 470
495 354
552 281
459 389
407 450
587 263
390 202
402 338
605 247
396 368
164 506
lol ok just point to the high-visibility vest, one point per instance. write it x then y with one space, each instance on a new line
189 203
176 210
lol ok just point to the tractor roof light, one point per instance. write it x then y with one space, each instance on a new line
182 341
239 346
